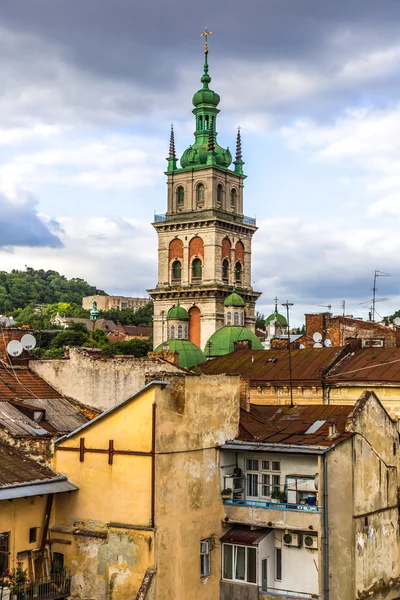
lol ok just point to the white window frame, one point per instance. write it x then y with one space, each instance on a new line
234 555
264 472
205 558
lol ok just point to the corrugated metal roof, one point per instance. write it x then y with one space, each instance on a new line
55 486
369 364
245 536
291 425
17 424
17 469
60 413
273 365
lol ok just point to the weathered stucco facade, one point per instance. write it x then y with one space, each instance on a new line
149 491
99 381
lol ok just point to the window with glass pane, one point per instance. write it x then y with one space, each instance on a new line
197 268
252 484
225 270
233 198
242 319
265 485
238 272
205 564
251 565
265 465
236 318
278 564
240 562
276 484
251 464
229 318
276 465
228 560
186 332
200 193
180 332
180 196
172 332
176 271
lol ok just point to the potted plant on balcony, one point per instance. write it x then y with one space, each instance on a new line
278 497
226 494
17 580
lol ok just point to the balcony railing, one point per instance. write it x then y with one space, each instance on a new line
54 587
271 504
286 593
249 220
160 218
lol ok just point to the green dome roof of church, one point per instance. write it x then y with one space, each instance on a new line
178 312
205 150
276 316
189 354
234 299
223 341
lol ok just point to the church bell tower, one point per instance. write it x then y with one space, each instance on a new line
204 240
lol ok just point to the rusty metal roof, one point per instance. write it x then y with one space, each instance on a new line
21 382
15 468
245 536
61 415
274 424
309 364
368 364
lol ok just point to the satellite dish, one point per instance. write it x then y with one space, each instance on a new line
317 345
327 343
28 341
317 337
14 348
397 321
301 347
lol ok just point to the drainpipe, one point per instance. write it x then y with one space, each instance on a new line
326 530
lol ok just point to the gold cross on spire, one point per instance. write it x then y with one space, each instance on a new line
205 35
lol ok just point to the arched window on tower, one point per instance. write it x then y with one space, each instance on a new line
172 332
200 194
220 193
242 319
225 270
186 332
236 318
238 273
233 199
197 270
206 122
201 122
180 332
176 271
180 196
229 318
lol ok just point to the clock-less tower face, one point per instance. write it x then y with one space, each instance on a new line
204 240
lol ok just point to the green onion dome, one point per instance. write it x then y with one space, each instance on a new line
205 95
223 341
178 312
234 299
276 317
189 354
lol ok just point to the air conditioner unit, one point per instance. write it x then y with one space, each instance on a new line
291 539
205 547
310 542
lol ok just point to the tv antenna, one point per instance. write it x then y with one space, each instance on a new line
374 299
328 306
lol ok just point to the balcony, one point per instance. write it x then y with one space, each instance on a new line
278 594
160 218
272 504
249 220
54 587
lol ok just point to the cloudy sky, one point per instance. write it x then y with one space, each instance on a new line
89 89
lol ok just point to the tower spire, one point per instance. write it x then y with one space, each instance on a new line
238 162
172 160
172 153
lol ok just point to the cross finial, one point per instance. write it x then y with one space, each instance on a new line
205 35
276 304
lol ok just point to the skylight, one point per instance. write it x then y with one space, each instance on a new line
315 426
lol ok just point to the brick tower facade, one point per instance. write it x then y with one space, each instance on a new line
204 240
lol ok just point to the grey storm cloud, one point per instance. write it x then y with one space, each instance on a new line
20 225
147 44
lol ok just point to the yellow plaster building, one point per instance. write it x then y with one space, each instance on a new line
149 492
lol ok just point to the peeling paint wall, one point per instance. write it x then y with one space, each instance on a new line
98 381
195 415
39 449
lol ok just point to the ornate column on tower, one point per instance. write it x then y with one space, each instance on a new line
204 240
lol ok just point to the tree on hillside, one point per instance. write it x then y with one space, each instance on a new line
19 289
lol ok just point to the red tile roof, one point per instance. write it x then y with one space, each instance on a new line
308 365
21 382
288 425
